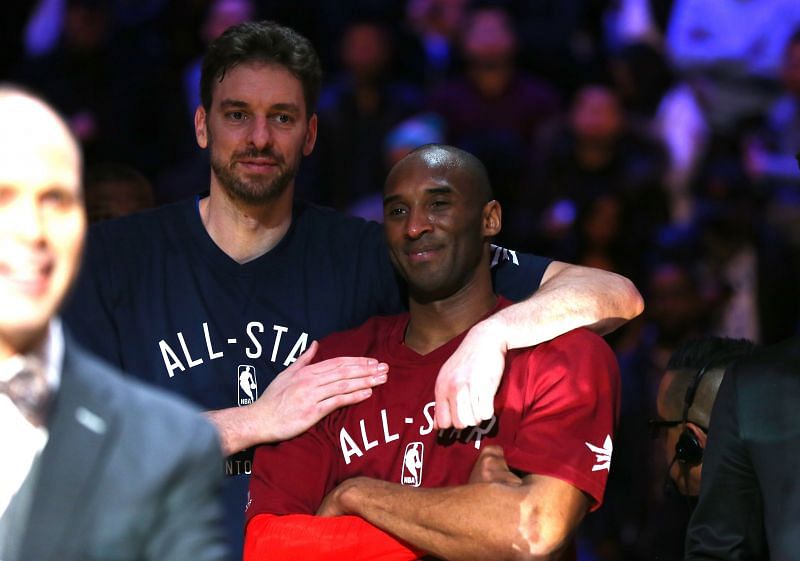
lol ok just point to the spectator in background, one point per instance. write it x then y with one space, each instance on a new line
356 112
494 109
430 37
101 77
774 157
730 52
770 155
685 397
594 154
114 190
745 261
726 57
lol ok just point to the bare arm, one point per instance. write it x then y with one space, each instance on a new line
296 399
569 296
495 516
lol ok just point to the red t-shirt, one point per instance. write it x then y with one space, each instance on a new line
555 412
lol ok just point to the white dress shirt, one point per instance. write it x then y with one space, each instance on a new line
21 443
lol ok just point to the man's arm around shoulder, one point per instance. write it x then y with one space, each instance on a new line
569 296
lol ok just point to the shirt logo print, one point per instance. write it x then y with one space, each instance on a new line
602 455
411 473
248 384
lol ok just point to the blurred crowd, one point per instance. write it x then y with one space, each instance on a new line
654 138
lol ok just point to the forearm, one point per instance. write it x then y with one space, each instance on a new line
483 521
569 297
238 429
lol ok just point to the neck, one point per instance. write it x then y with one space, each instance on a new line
21 341
432 324
244 231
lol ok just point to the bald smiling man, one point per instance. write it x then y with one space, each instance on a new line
94 466
386 484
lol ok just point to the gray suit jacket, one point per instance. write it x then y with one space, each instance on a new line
127 473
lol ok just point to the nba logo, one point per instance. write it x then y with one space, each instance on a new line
248 385
411 473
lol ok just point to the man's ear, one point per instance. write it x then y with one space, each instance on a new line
311 136
699 433
200 130
492 219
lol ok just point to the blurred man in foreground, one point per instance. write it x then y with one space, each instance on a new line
94 466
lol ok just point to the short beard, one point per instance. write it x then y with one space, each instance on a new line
251 192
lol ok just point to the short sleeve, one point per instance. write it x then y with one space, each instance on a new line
292 477
570 405
516 275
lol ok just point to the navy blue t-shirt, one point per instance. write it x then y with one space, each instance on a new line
158 298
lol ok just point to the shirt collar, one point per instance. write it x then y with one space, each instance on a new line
51 353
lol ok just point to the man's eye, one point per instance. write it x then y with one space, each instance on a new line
58 198
283 118
395 211
440 203
237 116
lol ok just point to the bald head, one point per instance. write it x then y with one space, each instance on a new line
451 162
35 143
42 222
439 218
31 128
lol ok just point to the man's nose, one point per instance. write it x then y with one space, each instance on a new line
260 133
27 221
418 223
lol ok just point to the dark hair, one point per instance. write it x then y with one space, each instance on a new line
265 42
709 352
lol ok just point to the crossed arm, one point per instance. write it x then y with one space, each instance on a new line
568 297
496 515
